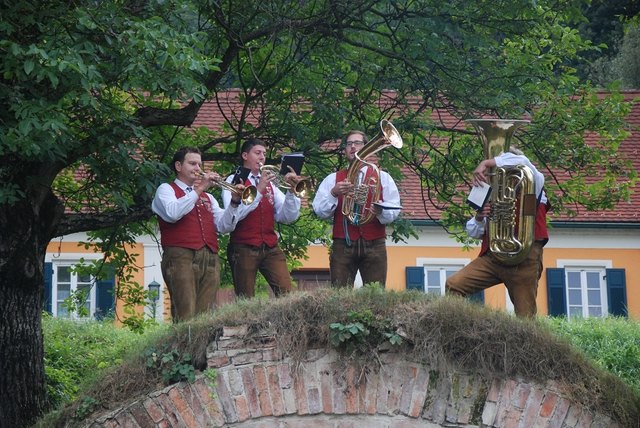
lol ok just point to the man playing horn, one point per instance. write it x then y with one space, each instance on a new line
487 270
357 247
253 245
190 220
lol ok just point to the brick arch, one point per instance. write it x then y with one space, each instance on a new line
256 387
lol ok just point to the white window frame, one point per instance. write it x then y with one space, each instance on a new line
441 265
71 260
583 267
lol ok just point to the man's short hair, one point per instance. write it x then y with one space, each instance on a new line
249 144
180 155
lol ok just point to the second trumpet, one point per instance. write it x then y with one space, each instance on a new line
299 188
248 195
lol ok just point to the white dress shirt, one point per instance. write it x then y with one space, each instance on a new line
286 207
324 203
171 209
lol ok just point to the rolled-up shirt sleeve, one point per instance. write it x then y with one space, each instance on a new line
475 228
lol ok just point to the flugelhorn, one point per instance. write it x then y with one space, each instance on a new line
248 195
299 188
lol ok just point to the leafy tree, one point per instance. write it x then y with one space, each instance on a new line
96 96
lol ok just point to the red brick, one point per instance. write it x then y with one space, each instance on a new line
315 404
284 375
421 386
205 396
262 385
140 415
225 398
494 391
217 362
277 401
299 388
371 394
242 408
560 413
172 415
532 407
548 404
326 389
182 407
350 391
248 383
410 374
156 413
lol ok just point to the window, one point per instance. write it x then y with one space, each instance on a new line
436 277
65 282
586 288
586 292
430 274
60 282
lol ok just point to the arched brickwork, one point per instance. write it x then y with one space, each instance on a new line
256 387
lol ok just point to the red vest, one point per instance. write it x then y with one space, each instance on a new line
370 231
258 227
195 230
540 232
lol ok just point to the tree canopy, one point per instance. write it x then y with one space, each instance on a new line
110 89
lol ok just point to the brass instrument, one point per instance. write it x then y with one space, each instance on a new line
354 204
300 188
509 240
248 195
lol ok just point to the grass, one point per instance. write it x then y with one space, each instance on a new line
595 360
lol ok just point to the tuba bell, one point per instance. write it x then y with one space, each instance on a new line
513 197
356 205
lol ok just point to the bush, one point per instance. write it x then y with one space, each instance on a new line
612 343
76 352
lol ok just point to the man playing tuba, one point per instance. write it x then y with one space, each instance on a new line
358 247
520 278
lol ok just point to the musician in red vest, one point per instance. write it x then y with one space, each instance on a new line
521 280
189 220
362 247
253 245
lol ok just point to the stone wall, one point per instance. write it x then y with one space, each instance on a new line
256 387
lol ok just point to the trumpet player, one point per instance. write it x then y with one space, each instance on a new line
189 220
253 245
354 247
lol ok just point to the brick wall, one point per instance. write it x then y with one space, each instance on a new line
256 387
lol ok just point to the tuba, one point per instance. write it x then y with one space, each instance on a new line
356 204
513 198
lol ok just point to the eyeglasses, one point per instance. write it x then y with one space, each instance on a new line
355 143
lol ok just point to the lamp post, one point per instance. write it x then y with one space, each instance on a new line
154 295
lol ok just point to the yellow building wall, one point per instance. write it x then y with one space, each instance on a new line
400 257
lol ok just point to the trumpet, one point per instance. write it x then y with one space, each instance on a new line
248 195
300 188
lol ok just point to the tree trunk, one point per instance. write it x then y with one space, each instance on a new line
26 231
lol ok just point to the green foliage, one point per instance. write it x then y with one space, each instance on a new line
363 332
612 343
173 365
77 352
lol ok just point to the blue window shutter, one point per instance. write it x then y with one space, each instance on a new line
617 292
415 278
48 289
105 295
557 305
